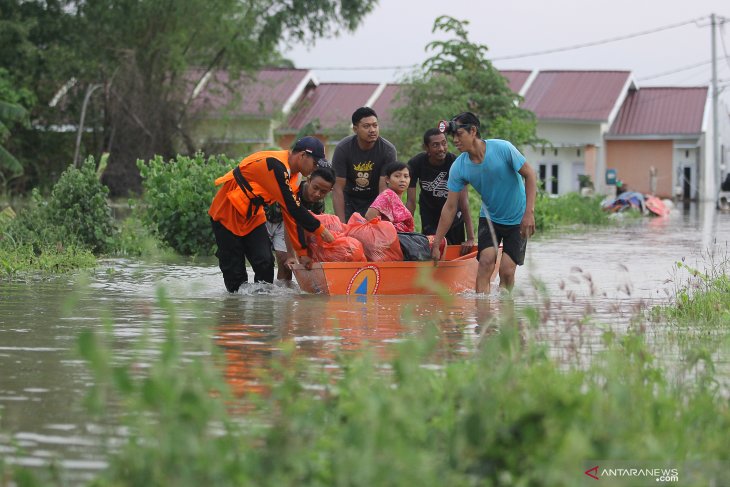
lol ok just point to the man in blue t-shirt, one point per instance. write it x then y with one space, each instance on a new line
495 169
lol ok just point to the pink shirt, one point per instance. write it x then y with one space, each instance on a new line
392 209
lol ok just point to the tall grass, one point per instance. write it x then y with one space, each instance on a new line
507 415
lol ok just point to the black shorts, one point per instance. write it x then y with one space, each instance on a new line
508 235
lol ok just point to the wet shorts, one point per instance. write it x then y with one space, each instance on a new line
507 235
276 234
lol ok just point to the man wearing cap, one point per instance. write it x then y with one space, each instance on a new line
358 161
238 217
495 169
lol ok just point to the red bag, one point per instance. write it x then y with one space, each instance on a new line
379 238
442 246
342 249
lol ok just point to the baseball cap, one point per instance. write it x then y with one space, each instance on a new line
313 146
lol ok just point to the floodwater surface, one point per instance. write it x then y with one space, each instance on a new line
607 273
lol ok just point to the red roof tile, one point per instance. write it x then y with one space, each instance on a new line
331 103
386 103
575 95
661 111
262 94
515 78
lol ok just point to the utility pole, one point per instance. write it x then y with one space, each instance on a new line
715 124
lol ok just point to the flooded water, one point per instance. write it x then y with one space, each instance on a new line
609 272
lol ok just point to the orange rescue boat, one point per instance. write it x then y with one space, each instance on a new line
453 273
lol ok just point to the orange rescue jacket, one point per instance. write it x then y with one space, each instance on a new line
261 179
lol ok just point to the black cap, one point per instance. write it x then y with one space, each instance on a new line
313 146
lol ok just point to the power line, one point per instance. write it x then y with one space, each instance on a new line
597 43
362 68
535 53
673 71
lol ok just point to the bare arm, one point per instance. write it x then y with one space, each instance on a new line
527 226
448 212
411 200
338 198
371 213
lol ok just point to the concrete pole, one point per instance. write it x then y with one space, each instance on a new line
711 186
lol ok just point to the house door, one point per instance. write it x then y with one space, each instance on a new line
578 169
548 173
685 182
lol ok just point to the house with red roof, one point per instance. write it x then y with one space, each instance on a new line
658 140
655 139
239 115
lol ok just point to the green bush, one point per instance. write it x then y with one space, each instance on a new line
568 209
63 232
177 195
79 205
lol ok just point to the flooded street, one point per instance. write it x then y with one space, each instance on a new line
610 272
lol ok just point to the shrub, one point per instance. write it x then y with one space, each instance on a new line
177 195
79 205
568 209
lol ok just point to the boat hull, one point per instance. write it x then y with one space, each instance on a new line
455 275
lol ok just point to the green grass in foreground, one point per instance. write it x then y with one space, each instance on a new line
506 415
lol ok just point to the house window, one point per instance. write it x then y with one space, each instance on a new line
543 151
686 153
556 152
549 182
577 152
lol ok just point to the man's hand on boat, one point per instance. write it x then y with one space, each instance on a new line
305 260
467 247
436 250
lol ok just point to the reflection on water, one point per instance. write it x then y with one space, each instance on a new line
607 274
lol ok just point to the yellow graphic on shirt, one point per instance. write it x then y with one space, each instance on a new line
362 176
364 166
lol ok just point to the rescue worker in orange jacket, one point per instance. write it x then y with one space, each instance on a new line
238 217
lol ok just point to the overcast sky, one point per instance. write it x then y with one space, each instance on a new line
396 34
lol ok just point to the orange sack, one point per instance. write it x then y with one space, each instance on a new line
379 238
342 249
330 222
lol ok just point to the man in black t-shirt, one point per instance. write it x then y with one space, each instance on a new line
430 169
358 161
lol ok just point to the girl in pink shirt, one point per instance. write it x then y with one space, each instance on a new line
389 205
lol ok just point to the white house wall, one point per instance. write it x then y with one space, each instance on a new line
568 152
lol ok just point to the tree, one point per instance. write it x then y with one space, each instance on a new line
131 60
457 78
143 52
11 112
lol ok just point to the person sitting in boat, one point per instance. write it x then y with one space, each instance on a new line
237 211
388 205
311 196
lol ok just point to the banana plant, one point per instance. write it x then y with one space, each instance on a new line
9 113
